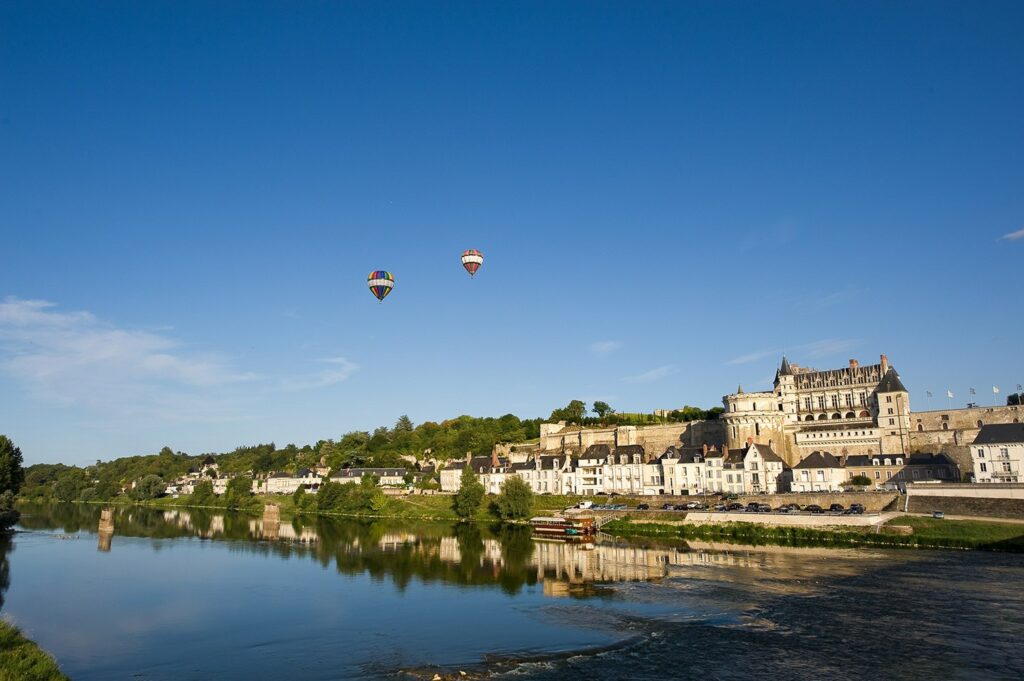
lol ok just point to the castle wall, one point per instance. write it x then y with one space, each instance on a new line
655 439
951 431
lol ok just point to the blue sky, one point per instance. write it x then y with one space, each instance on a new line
668 196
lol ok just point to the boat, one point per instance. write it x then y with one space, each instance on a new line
563 528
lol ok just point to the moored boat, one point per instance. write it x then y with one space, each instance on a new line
563 528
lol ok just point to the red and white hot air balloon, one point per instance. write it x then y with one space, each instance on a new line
472 260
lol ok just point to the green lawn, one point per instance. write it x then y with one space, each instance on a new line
980 534
23 660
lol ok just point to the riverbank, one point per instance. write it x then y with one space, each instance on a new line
23 660
926 533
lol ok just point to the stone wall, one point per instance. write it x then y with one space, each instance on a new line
654 438
815 521
951 431
979 507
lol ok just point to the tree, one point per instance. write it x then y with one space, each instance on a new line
602 409
403 424
69 485
202 493
239 491
571 413
467 500
861 480
12 475
329 496
150 487
1014 399
515 502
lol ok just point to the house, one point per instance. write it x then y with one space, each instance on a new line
492 471
764 471
818 472
286 483
997 453
386 477
684 470
888 470
547 474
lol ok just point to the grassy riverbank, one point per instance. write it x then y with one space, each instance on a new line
23 660
928 533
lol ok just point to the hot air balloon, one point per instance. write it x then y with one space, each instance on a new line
471 260
380 283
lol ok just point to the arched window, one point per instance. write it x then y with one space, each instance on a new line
850 415
980 424
920 428
945 426
809 417
865 414
836 416
822 417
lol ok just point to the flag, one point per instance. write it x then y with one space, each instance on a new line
949 394
928 393
972 392
995 390
1018 387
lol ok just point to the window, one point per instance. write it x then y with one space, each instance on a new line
807 404
849 399
920 428
945 426
899 461
916 474
892 422
835 401
757 429
890 410
1006 467
983 467
1003 451
804 476
888 474
888 398
821 401
981 452
821 476
877 475
980 424
875 461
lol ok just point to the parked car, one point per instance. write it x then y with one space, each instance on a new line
836 508
784 509
813 508
643 507
668 507
720 507
585 504
857 509
692 504
764 508
938 514
734 506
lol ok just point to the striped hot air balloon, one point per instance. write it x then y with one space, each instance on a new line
380 283
472 260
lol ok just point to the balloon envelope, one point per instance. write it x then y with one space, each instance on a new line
380 283
472 260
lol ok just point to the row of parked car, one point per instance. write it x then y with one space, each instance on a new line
733 507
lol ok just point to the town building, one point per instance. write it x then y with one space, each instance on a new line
818 472
386 477
895 470
997 453
287 483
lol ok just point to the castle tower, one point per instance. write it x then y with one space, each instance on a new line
893 405
785 391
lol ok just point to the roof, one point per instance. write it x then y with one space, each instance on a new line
818 459
596 452
785 370
360 472
767 453
891 383
1000 433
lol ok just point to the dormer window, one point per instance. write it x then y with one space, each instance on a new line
899 462
874 461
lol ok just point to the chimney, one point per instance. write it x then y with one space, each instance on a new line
885 364
705 448
495 462
854 364
750 440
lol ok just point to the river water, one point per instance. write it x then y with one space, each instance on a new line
170 595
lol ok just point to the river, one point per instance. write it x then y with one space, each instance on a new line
177 595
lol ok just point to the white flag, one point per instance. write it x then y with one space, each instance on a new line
995 390
949 394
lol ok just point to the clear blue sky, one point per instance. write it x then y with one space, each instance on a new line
668 197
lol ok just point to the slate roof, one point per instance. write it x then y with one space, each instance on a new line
360 472
785 370
767 453
1000 433
597 452
818 459
891 383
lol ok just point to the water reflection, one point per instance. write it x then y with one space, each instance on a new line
466 554
6 546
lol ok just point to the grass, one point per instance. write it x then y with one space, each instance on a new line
928 533
23 660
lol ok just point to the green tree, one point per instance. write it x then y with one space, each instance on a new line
602 409
467 500
330 496
150 487
12 475
202 493
571 413
239 491
515 502
861 480
403 424
1014 399
69 485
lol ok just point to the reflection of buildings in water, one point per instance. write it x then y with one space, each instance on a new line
263 528
105 529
